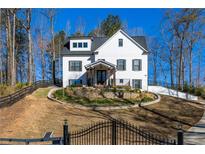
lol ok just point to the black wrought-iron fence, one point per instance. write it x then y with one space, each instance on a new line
111 132
115 132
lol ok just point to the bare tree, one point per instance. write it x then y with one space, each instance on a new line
50 14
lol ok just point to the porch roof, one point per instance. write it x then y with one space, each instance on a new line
99 62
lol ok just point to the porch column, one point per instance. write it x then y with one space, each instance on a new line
108 77
114 78
92 76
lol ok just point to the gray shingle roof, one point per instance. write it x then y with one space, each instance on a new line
96 43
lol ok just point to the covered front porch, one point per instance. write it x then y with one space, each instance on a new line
101 73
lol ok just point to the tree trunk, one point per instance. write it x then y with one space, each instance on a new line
30 55
13 76
190 65
53 51
9 48
171 71
29 58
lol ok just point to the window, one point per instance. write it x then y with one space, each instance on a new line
75 82
136 83
136 64
75 65
121 80
80 45
85 45
74 45
121 64
120 42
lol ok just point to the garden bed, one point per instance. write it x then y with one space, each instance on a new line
89 96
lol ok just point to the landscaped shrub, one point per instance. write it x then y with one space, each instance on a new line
146 99
203 93
186 87
198 91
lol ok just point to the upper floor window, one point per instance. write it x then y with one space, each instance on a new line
74 45
136 64
80 44
85 44
120 42
75 65
121 64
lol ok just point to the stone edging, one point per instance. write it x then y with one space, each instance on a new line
50 96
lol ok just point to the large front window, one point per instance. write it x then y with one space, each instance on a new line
137 83
136 64
121 64
75 65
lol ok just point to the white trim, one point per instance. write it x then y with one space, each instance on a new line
100 62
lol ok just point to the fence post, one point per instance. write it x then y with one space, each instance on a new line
66 137
114 132
180 137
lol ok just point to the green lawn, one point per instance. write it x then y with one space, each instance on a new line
42 92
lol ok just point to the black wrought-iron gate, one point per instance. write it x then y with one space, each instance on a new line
115 132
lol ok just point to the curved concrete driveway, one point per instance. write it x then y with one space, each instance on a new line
196 134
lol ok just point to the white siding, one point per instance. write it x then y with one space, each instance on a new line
110 51
74 74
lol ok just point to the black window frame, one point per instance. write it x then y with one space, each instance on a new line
75 44
120 42
121 67
121 81
140 83
79 45
137 67
84 44
73 68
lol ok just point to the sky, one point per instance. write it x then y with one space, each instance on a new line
147 19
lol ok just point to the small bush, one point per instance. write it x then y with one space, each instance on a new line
186 88
146 99
137 90
198 91
203 93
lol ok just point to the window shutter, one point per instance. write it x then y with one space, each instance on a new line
140 64
133 65
124 64
80 65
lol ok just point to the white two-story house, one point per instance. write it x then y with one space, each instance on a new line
118 60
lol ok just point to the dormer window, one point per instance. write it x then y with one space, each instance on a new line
74 45
85 44
120 42
80 45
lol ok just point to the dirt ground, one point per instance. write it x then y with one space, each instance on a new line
35 114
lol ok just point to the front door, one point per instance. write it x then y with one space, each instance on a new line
101 76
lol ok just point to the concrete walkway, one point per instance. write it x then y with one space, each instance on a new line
196 134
